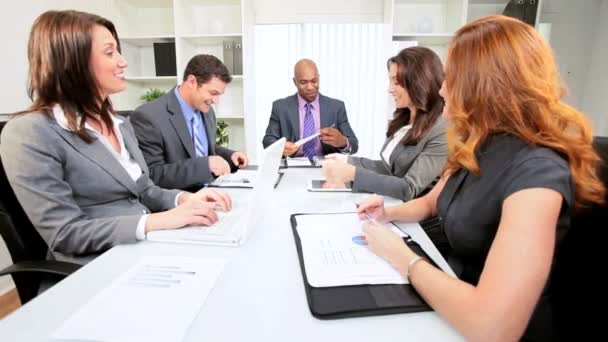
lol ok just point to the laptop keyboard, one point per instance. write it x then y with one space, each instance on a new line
227 225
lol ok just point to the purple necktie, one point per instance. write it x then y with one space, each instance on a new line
309 129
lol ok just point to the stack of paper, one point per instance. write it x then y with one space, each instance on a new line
336 254
156 300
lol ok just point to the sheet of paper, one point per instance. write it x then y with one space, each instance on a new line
241 179
298 161
155 300
335 252
307 139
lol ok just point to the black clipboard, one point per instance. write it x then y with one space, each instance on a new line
315 162
360 300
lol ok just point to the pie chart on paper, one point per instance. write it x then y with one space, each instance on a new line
360 240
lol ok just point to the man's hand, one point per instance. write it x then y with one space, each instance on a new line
239 159
290 149
218 166
332 136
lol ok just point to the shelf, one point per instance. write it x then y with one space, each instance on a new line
152 79
424 39
201 17
143 17
480 8
428 16
143 41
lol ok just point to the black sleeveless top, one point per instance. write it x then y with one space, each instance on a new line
470 207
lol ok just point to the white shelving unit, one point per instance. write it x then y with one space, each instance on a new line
432 23
195 26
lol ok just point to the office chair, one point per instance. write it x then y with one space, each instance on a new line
25 245
580 296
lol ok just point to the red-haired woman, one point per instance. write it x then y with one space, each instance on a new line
520 162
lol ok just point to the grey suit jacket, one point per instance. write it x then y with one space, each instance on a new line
77 195
167 146
285 122
410 169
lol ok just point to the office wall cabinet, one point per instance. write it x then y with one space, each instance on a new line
190 27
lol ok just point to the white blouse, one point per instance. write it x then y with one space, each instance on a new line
396 139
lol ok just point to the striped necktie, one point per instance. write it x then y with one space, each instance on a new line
309 129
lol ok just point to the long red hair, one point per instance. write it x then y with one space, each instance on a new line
501 77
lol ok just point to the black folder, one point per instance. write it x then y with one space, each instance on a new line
360 300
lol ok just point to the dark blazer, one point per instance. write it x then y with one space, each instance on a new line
76 194
166 144
410 169
285 122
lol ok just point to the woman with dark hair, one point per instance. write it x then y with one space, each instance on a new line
415 149
520 162
74 165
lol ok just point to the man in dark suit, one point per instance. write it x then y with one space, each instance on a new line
307 113
176 132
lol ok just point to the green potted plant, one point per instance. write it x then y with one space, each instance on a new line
151 94
221 133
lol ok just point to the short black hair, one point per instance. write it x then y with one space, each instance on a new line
205 67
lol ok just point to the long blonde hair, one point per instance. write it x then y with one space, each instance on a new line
501 77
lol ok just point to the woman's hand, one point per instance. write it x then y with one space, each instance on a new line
373 207
388 245
191 212
338 157
337 173
208 195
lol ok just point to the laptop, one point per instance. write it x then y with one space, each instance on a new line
234 227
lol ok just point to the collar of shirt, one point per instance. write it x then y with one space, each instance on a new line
188 111
59 115
302 103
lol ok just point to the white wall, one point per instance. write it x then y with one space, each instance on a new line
595 99
573 27
318 11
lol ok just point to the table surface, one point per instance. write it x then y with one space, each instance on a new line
260 295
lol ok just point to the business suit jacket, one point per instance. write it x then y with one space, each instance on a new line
77 195
410 169
285 122
165 141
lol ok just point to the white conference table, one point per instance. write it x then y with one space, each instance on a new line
259 296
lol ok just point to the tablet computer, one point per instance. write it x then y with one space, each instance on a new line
322 185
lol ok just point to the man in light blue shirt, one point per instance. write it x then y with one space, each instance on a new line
176 132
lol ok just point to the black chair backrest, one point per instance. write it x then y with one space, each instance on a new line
581 296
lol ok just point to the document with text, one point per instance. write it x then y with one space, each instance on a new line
335 252
155 300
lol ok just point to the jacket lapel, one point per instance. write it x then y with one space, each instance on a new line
294 116
97 153
179 123
326 117
133 147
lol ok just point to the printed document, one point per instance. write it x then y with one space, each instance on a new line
307 139
298 161
239 179
335 252
155 300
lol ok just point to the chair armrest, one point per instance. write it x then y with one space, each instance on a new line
59 268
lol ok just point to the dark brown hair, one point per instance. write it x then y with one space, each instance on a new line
59 54
420 72
205 67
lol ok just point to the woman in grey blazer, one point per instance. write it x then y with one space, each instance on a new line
75 166
415 149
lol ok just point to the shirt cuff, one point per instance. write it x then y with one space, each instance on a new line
176 201
140 233
347 149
